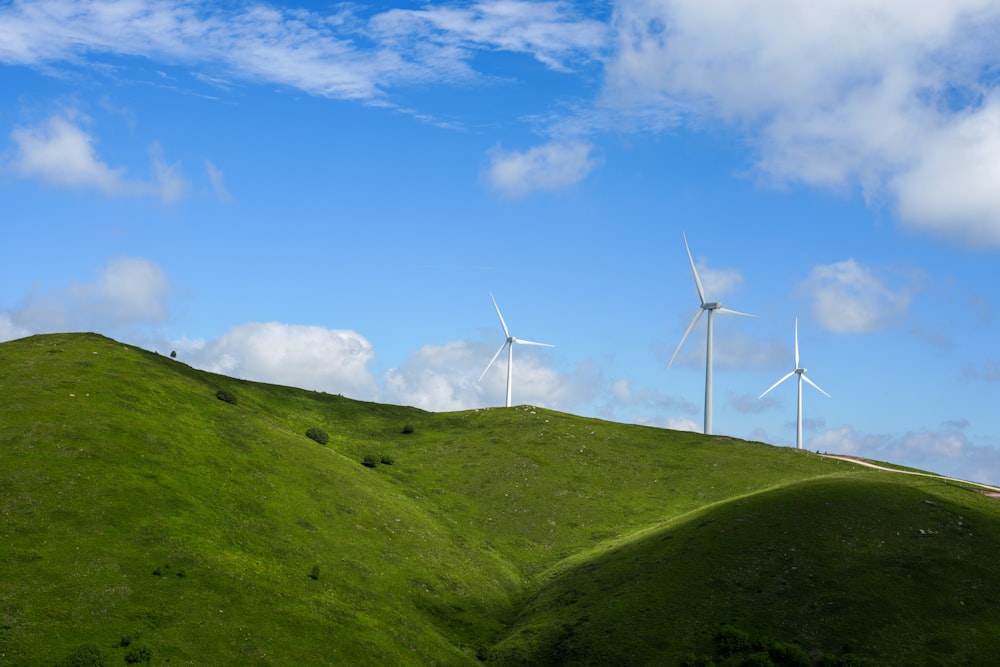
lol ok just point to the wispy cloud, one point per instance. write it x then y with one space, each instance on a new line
346 53
217 178
61 153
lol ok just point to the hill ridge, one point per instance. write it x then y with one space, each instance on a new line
145 516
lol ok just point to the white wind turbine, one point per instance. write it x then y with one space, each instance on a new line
509 344
711 307
801 372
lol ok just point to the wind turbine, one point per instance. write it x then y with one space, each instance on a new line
712 307
509 344
801 372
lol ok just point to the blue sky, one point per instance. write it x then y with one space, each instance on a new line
325 195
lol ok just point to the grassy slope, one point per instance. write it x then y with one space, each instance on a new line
538 531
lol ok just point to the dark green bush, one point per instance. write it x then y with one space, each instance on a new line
758 659
732 641
314 572
138 655
386 459
408 429
226 396
370 461
87 655
788 655
319 435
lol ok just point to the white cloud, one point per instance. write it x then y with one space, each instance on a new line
308 357
717 283
61 153
446 377
552 166
850 298
127 292
9 330
439 378
899 98
952 187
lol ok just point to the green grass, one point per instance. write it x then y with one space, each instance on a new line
138 508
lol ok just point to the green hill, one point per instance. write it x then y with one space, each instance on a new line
147 520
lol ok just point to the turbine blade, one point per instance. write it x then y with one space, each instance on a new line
790 374
531 342
796 342
728 311
806 378
502 323
697 280
490 365
686 333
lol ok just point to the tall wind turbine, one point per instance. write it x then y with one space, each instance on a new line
509 344
712 307
801 372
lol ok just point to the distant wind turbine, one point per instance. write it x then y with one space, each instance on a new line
509 344
711 307
801 372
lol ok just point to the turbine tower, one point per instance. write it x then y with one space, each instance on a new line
712 307
801 372
509 344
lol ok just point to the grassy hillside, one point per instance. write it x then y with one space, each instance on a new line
146 520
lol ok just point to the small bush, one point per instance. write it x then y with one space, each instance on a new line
314 572
408 429
788 655
319 435
87 655
226 396
370 461
732 641
386 459
139 655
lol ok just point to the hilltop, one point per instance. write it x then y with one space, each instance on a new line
154 513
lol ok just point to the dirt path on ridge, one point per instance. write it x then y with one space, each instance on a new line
991 491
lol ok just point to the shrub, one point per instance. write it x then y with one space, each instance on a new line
314 572
138 655
370 461
386 459
758 659
226 396
788 655
732 641
87 655
408 429
319 435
